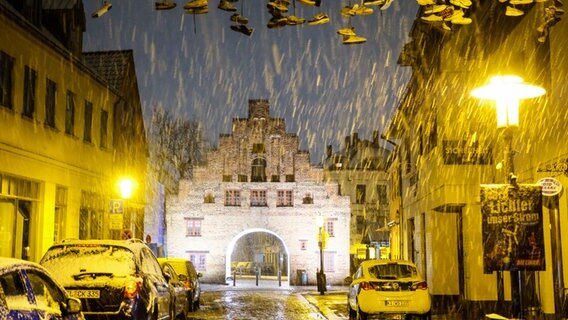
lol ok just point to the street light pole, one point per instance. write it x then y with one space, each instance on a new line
320 276
506 91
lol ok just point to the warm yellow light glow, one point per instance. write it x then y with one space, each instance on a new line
126 186
507 91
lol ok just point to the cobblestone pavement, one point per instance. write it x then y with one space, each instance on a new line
332 305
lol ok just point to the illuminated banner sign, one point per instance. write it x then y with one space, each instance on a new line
512 227
463 152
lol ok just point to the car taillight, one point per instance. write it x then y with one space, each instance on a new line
420 286
367 285
188 284
131 288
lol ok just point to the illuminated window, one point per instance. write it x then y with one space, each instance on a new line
232 198
308 199
284 198
60 210
360 194
209 197
193 227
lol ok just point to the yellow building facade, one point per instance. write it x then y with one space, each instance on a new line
58 163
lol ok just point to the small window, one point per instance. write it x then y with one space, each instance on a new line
290 178
284 198
232 198
258 198
329 226
275 178
198 259
88 117
242 178
50 93
70 113
6 79
360 194
258 148
193 227
209 197
104 128
308 199
303 244
30 79
382 192
227 178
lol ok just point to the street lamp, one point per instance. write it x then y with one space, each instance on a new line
126 188
506 91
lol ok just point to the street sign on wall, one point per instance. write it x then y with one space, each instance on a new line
462 152
512 227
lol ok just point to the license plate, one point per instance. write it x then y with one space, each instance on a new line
396 303
84 294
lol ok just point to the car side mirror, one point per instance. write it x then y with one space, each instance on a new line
73 306
199 274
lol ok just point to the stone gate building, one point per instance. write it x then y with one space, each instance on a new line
258 204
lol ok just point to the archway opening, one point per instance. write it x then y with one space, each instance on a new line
258 251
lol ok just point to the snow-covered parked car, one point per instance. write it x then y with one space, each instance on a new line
28 291
114 279
388 287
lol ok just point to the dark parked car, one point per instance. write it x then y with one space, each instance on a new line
114 279
28 291
187 274
179 303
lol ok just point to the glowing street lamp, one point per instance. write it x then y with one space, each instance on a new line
507 91
126 186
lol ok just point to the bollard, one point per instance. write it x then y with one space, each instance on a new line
234 278
257 276
279 278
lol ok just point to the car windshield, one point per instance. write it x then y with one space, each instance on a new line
392 271
84 262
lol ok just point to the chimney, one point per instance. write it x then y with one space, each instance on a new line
355 139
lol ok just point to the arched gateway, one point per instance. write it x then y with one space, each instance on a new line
258 249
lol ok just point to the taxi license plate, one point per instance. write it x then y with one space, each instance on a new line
84 294
396 303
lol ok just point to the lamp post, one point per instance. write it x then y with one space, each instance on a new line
322 244
507 91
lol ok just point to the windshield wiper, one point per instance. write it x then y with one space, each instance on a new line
93 275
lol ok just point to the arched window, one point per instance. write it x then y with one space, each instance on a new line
258 170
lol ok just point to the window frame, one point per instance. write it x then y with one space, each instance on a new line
7 63
284 198
50 102
232 198
258 198
70 113
193 227
29 96
88 119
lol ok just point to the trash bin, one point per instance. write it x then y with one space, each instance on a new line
302 277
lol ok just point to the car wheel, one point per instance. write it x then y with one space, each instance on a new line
352 313
361 315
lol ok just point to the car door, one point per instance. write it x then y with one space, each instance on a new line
16 301
154 272
49 298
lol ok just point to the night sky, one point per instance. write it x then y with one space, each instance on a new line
200 69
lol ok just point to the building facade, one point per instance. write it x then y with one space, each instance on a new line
448 146
360 170
258 204
63 125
